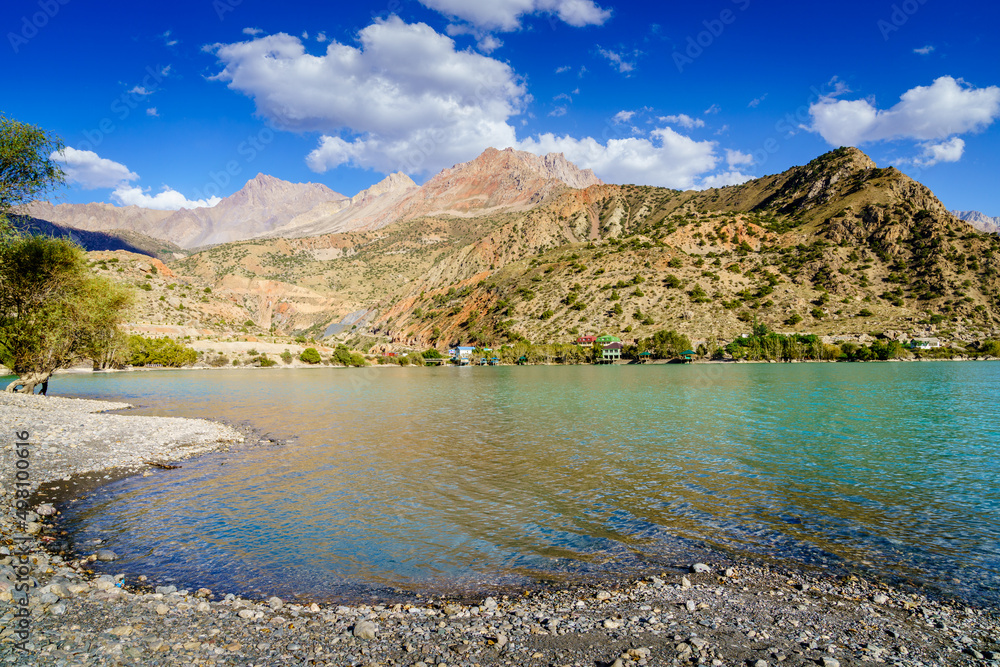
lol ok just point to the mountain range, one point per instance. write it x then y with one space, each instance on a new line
513 246
980 221
267 206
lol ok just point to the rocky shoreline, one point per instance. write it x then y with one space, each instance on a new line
716 614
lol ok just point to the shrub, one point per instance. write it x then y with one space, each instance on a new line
310 356
793 319
286 357
817 313
164 351
265 362
864 312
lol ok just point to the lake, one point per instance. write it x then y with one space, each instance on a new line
438 480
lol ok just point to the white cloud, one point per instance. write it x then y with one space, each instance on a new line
946 151
683 120
924 50
90 171
167 199
732 177
666 158
736 158
167 40
563 70
715 108
488 43
558 111
321 37
623 116
405 98
152 111
947 107
253 32
755 102
617 60
141 91
505 15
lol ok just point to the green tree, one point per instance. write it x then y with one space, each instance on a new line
26 166
310 356
53 311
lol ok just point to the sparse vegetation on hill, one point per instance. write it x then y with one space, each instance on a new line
833 247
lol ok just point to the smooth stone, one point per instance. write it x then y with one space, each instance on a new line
275 603
827 661
106 555
685 582
45 509
879 598
162 609
700 568
365 630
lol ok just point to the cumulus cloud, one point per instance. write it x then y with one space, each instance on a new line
563 69
623 116
167 199
142 91
253 32
945 151
924 50
617 60
683 120
405 98
736 158
152 111
505 15
90 171
732 177
947 107
665 158
488 43
558 111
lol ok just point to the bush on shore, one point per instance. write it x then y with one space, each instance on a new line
143 351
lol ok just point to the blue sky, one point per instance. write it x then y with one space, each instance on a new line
176 104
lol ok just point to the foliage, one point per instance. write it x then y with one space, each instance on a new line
664 344
53 311
26 170
143 351
342 355
310 356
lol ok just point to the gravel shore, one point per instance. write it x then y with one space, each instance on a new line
716 614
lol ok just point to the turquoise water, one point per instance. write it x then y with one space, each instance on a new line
434 479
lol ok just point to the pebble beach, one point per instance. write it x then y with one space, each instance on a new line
705 613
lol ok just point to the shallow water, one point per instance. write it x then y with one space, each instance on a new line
433 479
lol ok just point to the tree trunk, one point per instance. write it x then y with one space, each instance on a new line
27 384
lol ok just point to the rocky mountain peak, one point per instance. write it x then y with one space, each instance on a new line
552 166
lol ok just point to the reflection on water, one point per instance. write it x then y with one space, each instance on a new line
446 477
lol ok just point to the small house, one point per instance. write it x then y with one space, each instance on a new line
611 352
925 343
586 340
604 340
